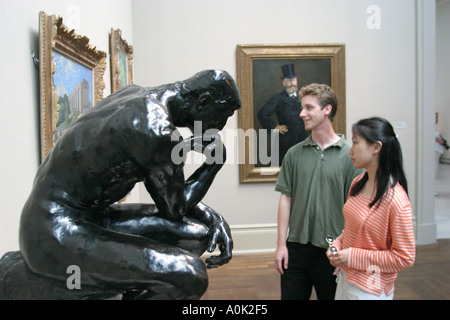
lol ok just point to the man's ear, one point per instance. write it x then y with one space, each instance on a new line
327 109
203 101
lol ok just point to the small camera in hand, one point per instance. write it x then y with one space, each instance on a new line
445 144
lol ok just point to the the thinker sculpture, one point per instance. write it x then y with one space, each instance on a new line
138 250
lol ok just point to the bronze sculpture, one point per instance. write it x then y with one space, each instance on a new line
138 250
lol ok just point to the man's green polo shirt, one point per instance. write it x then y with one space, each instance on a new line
318 182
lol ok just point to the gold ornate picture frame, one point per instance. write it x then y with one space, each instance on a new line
121 55
259 78
71 78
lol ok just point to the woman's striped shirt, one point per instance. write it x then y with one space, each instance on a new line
380 239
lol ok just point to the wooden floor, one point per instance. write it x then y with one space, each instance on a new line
253 277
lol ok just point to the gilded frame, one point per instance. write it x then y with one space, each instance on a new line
55 36
121 71
245 56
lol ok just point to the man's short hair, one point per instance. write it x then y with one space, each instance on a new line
324 94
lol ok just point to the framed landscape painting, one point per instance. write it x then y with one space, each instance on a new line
71 78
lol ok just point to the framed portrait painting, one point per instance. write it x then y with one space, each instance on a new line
121 55
264 73
71 78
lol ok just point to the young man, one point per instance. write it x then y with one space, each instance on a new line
314 180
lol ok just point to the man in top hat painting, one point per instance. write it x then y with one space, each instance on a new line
286 105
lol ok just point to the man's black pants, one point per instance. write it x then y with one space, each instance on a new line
308 267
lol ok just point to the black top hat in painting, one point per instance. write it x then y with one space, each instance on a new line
288 71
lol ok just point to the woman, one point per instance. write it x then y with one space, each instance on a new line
378 239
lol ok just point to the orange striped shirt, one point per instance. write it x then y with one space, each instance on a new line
380 239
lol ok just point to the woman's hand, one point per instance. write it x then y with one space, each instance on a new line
338 259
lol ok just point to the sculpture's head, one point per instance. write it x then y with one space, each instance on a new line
213 97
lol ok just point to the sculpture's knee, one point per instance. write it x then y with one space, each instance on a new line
192 279
197 280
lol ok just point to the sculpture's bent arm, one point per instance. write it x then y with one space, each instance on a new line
198 183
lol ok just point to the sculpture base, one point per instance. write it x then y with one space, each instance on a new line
18 283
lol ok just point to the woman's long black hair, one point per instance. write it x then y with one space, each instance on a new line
390 164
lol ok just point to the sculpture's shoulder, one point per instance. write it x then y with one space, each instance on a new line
146 109
132 110
158 118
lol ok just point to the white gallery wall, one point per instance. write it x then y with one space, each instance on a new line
174 39
19 99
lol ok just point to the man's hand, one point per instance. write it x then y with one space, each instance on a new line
281 259
282 128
